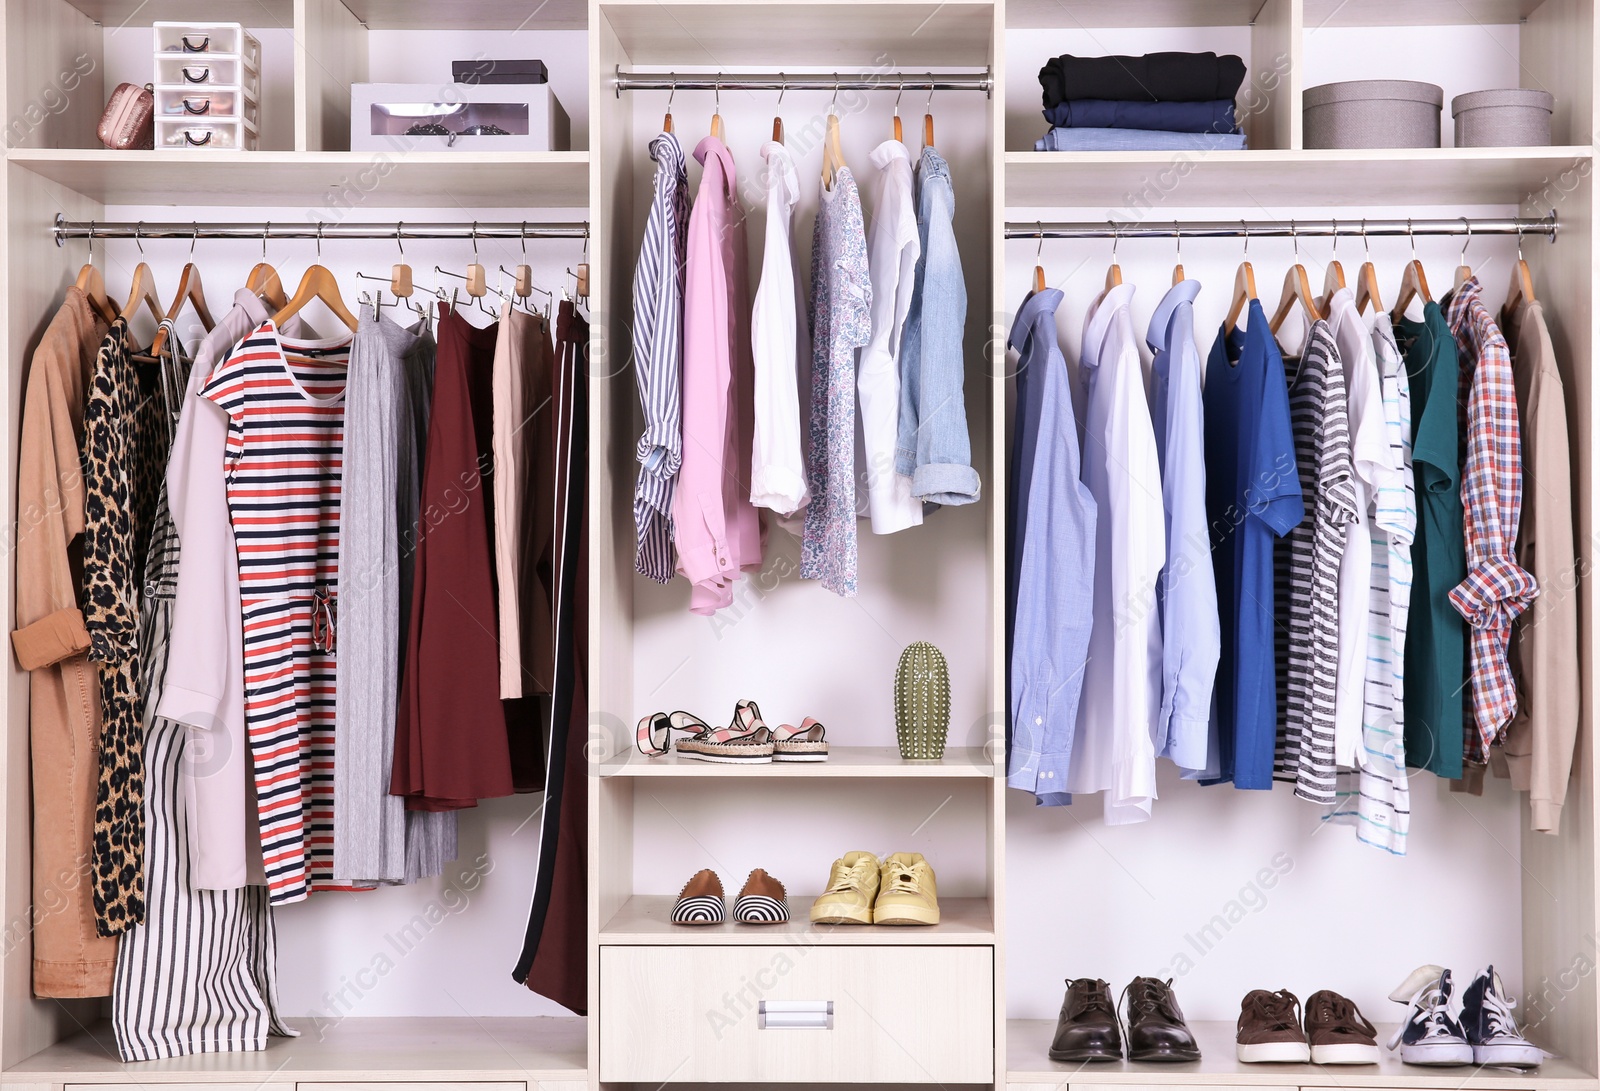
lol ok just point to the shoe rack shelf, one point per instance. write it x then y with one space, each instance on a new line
646 919
843 761
1029 1066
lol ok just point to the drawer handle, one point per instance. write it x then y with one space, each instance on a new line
795 1015
197 75
190 47
190 107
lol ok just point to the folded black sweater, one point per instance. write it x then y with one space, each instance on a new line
1154 77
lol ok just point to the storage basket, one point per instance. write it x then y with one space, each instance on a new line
1373 114
1511 117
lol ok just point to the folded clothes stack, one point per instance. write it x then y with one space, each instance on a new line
1157 102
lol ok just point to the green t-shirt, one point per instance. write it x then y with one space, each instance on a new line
1436 637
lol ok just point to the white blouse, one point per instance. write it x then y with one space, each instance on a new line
777 342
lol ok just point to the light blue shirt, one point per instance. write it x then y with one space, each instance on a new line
1053 579
1187 591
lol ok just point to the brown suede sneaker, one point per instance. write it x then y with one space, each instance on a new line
1269 1028
1338 1032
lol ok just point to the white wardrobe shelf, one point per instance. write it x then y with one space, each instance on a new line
373 1049
430 180
843 761
1148 181
252 13
478 14
1027 1062
647 919
1131 13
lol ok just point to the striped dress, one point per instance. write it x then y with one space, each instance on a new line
284 461
1307 572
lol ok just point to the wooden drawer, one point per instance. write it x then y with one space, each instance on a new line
899 1015
429 1085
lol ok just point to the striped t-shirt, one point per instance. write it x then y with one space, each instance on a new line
284 462
1307 571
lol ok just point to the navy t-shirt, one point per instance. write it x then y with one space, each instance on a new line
1252 499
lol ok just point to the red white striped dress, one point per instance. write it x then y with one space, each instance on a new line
284 461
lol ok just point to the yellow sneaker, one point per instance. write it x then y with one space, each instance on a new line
908 892
852 885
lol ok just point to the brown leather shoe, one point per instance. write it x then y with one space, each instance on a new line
700 901
1269 1028
762 900
1338 1032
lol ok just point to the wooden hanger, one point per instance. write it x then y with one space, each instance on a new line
899 133
190 291
477 281
666 122
143 291
1463 270
263 279
927 117
92 283
1521 290
1039 282
777 117
1333 279
1367 279
1177 269
1114 274
832 151
1244 286
716 119
1296 288
400 285
1413 283
318 283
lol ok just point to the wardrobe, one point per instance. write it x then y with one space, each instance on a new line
1029 896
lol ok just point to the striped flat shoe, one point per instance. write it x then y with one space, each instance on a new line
761 901
746 741
700 901
808 742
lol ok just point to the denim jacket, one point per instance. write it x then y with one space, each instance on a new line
933 449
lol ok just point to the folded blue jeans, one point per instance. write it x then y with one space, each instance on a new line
1172 117
1135 140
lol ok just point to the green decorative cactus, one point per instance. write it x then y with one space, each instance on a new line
922 702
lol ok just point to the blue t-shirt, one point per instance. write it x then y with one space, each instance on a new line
1252 498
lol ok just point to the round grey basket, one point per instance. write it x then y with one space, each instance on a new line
1373 114
1511 117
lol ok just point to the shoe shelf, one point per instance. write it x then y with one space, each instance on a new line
541 1051
1269 179
1028 1063
843 761
646 919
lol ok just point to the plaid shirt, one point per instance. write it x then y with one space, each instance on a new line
1496 589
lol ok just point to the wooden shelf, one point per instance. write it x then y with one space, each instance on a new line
1413 13
646 919
435 180
478 14
374 1050
843 761
913 33
1057 15
1401 176
141 13
1027 1061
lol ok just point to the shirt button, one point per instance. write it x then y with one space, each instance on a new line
1038 719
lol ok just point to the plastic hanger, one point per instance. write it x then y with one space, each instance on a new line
1177 269
777 117
1521 290
716 116
1413 283
318 283
899 132
1463 270
1367 280
143 288
1296 289
92 283
1244 286
263 279
190 291
1333 279
1114 274
1039 283
927 116
666 122
832 152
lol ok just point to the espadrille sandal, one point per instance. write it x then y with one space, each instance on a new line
761 901
747 741
808 742
654 734
700 900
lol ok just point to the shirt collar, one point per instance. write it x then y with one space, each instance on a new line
780 170
1180 293
888 152
666 150
1034 309
1111 301
253 307
711 146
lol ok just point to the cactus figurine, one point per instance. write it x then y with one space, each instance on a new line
922 702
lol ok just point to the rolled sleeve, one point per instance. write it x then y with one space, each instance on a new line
51 639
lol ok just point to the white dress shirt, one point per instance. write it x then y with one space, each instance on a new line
892 251
1117 714
1374 470
778 344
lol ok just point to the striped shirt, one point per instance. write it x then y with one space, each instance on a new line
284 461
1307 591
658 357
1496 589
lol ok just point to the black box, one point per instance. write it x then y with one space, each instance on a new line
487 71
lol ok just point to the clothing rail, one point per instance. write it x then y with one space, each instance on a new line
404 229
1233 229
930 81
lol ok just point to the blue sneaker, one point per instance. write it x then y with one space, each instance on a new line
1430 1035
1492 1029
